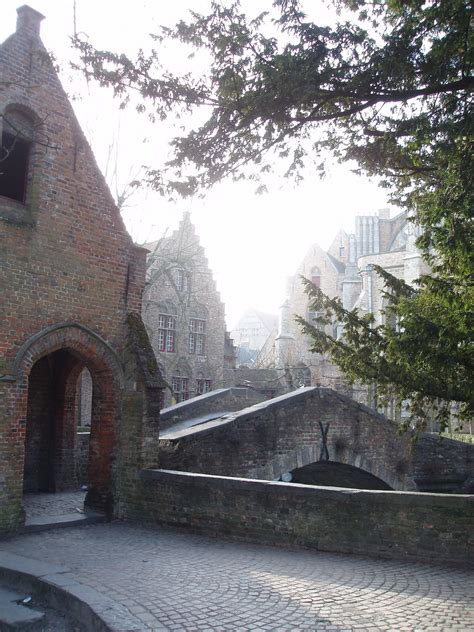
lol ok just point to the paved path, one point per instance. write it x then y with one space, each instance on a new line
43 504
169 580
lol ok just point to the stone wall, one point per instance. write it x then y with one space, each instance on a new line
285 433
279 435
443 465
436 528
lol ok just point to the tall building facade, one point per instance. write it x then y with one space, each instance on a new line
185 316
345 271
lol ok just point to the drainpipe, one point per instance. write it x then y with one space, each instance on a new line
369 270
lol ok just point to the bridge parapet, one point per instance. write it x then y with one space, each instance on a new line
290 431
314 424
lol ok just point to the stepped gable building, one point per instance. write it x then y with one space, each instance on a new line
71 283
344 271
185 316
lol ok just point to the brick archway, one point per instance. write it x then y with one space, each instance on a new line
47 367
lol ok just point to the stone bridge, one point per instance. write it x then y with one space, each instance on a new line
317 436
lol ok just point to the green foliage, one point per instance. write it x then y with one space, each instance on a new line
388 86
375 88
421 356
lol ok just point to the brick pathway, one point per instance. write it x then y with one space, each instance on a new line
176 581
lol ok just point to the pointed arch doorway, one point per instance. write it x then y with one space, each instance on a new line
49 366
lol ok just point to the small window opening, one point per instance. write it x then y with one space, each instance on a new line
15 150
14 156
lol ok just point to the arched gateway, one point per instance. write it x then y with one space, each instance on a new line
47 368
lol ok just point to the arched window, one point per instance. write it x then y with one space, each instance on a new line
15 150
316 276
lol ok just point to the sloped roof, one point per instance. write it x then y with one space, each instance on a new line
339 265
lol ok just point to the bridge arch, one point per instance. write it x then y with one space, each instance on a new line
307 456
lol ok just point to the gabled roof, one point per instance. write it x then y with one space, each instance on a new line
339 265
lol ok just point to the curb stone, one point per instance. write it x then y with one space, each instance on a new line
61 591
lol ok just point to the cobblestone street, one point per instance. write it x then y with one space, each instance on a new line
168 580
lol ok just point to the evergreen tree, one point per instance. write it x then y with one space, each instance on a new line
388 86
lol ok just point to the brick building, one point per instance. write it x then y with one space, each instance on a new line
185 317
70 280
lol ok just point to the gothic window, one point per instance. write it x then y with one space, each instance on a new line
166 333
203 386
197 336
15 148
180 386
316 276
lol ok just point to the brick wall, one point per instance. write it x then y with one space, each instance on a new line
65 257
82 457
66 254
428 527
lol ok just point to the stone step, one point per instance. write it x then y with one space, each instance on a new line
44 523
14 616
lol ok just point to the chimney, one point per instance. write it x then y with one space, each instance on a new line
28 21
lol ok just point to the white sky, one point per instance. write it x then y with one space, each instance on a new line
253 242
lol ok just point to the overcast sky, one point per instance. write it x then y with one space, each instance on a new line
252 242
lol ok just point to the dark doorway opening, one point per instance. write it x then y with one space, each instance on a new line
64 391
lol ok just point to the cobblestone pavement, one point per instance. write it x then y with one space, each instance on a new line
59 504
170 580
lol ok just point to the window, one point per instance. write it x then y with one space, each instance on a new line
203 386
316 276
302 376
14 155
197 336
180 386
313 319
166 333
181 279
